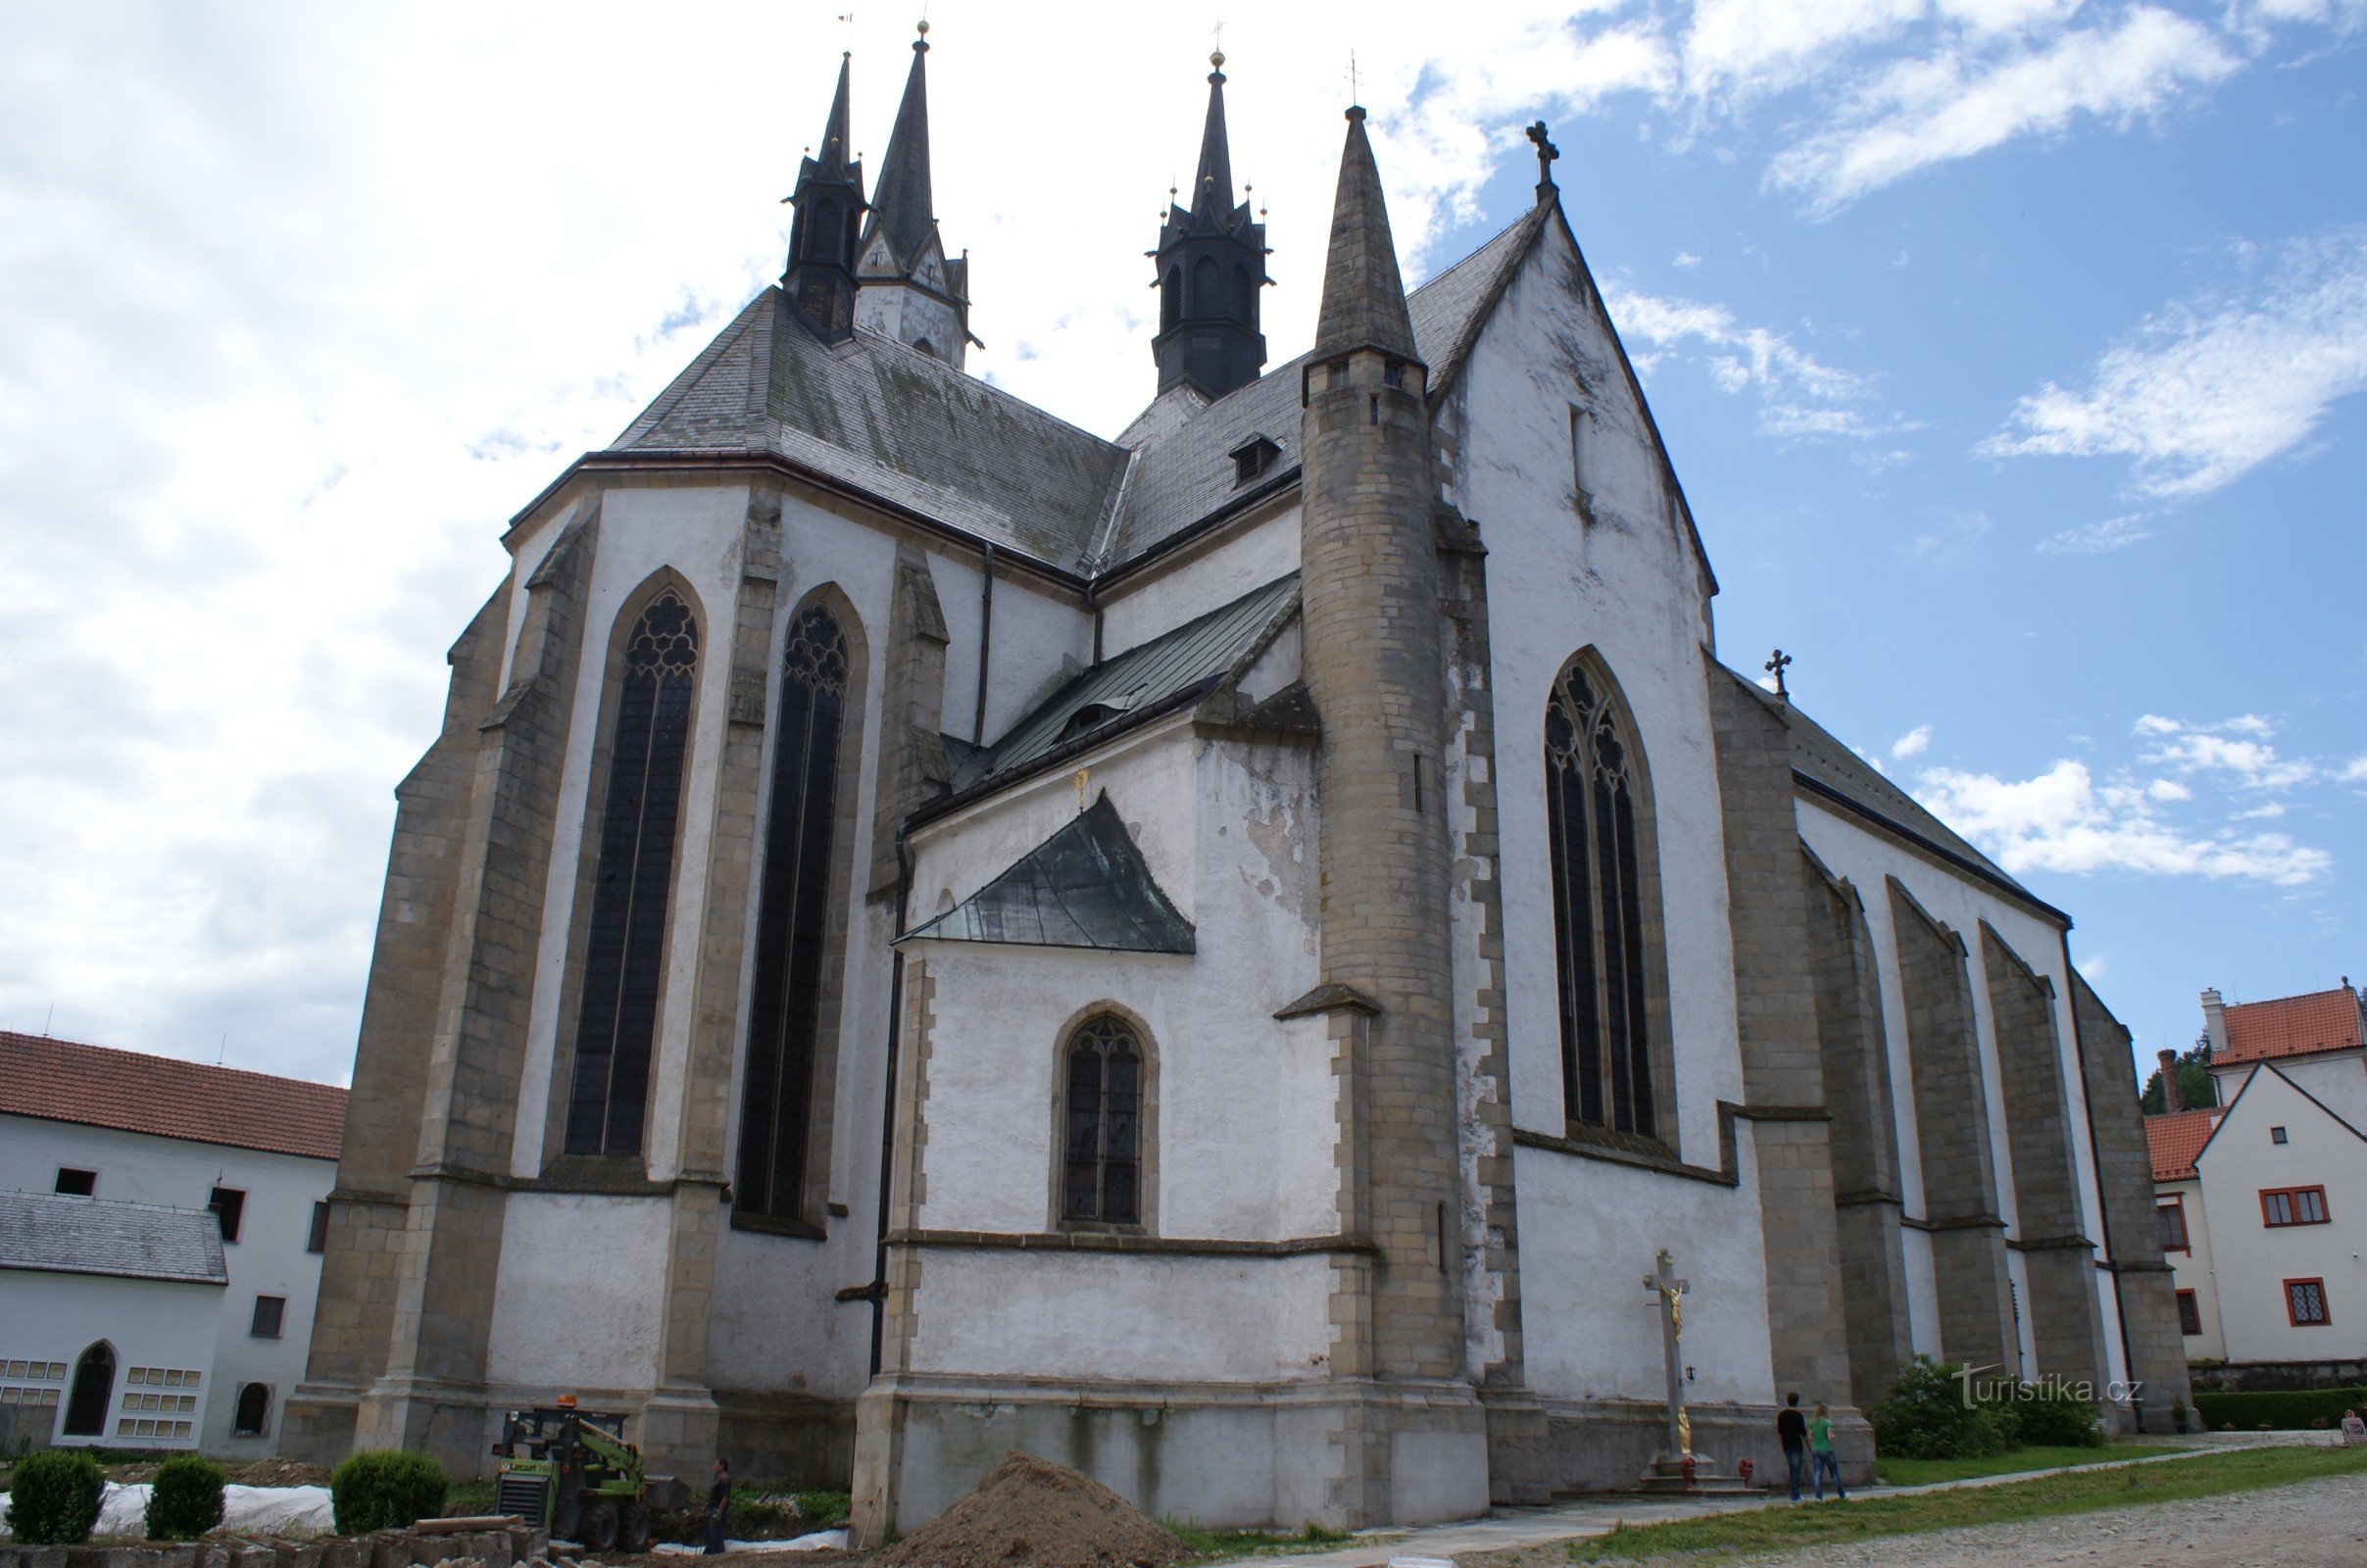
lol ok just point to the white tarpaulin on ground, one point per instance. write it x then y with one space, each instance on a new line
819 1541
249 1510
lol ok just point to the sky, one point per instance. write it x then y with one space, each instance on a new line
2010 351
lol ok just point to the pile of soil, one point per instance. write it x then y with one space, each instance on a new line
279 1473
1030 1513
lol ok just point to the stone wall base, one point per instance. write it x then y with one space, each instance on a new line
793 1440
388 1548
316 1423
1606 1445
2258 1377
1345 1453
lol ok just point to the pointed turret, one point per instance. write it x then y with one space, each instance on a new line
910 290
1375 645
1364 298
1211 269
820 276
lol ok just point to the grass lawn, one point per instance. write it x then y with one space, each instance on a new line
1719 1537
1228 1546
1924 1472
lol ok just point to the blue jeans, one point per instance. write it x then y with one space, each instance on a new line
1796 1460
1824 1462
714 1532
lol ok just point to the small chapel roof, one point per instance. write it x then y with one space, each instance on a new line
55 1234
1087 886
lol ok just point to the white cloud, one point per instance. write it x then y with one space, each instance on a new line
2168 789
2252 763
1914 742
2354 771
1957 101
2156 724
1801 397
2097 538
2063 821
2206 392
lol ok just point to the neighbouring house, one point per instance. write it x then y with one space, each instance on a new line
161 1229
2263 1202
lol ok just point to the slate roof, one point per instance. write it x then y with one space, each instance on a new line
60 1080
1137 683
2173 1141
54 1234
1087 886
2293 1027
917 432
1819 756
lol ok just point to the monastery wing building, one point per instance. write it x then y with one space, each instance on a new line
1219 958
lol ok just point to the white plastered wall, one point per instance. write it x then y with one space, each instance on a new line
1630 586
1207 579
147 1323
2190 1270
1245 1107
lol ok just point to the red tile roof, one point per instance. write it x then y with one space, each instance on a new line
2176 1138
59 1080
2293 1027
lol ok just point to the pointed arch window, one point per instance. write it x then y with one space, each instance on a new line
626 948
793 915
1100 1160
1592 814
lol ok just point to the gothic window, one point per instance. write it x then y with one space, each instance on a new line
626 947
253 1416
1592 814
784 1010
1245 295
1170 299
1207 287
92 1392
1100 1169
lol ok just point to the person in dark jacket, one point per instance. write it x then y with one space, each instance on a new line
718 1505
1792 1431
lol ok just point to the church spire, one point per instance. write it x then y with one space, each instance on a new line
820 276
1211 266
1364 298
905 212
910 290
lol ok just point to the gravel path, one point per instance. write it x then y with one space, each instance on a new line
2319 1524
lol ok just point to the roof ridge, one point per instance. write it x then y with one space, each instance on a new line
18 1036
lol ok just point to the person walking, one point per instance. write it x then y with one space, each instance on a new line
718 1509
1822 1460
1792 1431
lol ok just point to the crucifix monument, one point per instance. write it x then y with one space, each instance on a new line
1663 1283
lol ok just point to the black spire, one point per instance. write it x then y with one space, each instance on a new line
1363 303
820 277
905 210
1211 265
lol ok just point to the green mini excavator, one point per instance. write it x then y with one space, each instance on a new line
570 1472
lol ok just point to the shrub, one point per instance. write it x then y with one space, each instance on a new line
385 1490
2048 1415
54 1497
2277 1408
1925 1416
824 1510
185 1501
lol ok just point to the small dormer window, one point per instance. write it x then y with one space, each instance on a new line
1093 716
1253 457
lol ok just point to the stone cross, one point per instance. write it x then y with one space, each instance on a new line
1547 152
1779 663
1663 1283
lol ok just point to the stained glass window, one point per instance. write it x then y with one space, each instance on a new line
1598 912
1102 1161
784 1014
625 953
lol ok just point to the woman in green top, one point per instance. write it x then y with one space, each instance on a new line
1821 1457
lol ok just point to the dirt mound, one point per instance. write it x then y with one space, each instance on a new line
1030 1513
279 1473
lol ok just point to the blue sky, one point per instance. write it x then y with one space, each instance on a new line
2009 350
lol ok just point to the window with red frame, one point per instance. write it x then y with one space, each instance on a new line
2189 1313
2174 1226
2306 1304
2293 1205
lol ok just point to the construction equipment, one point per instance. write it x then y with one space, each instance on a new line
570 1472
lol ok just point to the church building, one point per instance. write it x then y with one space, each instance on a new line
1220 957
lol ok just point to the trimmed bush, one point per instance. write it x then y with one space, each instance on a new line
2051 1416
186 1499
1925 1416
54 1497
385 1490
2278 1408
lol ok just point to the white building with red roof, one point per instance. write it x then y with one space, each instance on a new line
2263 1199
161 1225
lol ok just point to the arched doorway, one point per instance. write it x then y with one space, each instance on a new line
93 1391
253 1413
